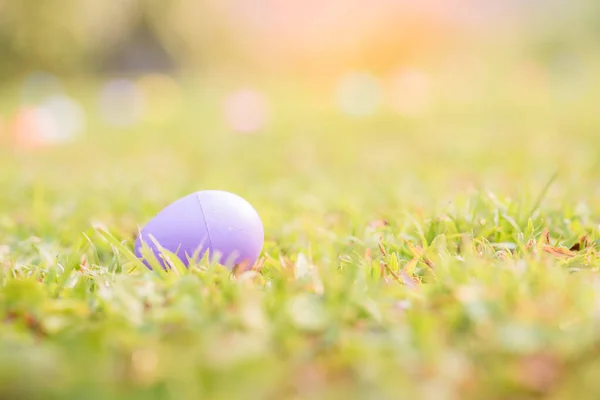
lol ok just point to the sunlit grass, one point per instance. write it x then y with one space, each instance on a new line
445 256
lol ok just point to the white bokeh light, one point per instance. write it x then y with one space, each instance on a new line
121 102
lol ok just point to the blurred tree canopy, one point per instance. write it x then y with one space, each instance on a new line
72 36
60 35
81 36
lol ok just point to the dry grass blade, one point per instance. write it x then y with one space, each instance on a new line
409 281
391 271
558 251
546 236
410 266
381 248
581 244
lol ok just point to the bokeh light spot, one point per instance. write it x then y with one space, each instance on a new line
246 111
121 102
57 120
410 92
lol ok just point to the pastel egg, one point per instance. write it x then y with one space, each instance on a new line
218 222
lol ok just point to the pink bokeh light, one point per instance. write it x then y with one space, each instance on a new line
246 110
410 92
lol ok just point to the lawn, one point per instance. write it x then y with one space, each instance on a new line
446 255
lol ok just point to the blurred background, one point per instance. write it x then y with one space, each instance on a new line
308 39
334 118
261 96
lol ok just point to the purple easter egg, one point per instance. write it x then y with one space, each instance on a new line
221 222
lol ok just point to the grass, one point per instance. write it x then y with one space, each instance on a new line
434 257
